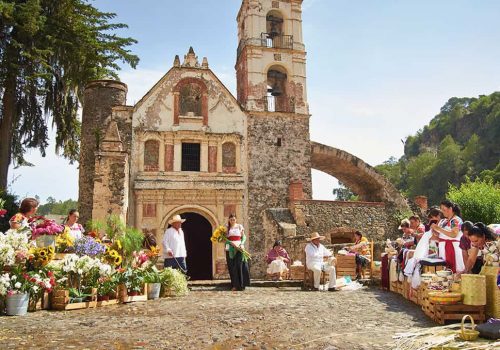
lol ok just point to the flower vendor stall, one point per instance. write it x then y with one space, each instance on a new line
42 267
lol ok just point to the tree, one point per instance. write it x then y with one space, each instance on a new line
479 200
49 50
342 193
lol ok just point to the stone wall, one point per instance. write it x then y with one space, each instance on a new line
98 100
272 166
337 221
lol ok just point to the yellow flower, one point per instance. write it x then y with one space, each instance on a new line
118 244
113 253
42 252
50 249
118 261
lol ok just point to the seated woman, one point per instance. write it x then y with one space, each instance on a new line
363 256
277 259
27 209
479 235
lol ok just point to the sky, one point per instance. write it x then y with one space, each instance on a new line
377 71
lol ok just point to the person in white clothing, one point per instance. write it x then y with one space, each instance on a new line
315 254
174 246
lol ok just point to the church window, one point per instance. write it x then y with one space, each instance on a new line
190 157
190 96
229 157
151 155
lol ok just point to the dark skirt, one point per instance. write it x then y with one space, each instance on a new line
238 271
361 260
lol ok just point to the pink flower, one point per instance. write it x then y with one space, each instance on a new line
2 213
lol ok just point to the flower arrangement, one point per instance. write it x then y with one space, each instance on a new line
141 260
153 254
40 257
112 257
14 247
14 282
220 236
64 241
133 280
88 246
173 282
40 226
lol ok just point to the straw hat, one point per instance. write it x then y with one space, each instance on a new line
316 235
176 218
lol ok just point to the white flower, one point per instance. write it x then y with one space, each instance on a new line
35 289
17 285
13 278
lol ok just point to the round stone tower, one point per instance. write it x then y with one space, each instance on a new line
99 98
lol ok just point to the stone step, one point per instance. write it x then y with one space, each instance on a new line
254 283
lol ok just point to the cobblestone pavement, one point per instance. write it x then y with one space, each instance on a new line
259 318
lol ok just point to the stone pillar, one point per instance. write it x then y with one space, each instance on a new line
111 180
98 100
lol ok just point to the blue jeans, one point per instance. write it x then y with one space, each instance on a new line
176 263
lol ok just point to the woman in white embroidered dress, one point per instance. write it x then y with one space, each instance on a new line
449 233
76 230
237 267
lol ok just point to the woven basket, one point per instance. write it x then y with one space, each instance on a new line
474 289
468 334
492 291
445 297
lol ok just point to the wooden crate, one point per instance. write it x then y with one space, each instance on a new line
297 272
59 300
394 286
430 269
107 302
414 295
346 265
130 299
455 312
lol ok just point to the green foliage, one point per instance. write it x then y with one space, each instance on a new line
479 200
49 50
94 226
460 142
153 275
57 207
174 281
342 193
131 241
11 204
115 227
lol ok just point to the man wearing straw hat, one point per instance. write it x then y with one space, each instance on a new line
315 252
174 246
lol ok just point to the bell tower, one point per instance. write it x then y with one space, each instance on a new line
271 57
271 82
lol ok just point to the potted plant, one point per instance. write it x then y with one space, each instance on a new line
44 231
106 288
134 281
153 279
15 288
173 283
77 295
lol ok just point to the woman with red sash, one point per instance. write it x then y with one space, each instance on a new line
449 233
237 266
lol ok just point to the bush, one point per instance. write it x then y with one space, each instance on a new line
11 205
479 200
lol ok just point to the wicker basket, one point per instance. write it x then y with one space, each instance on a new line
492 291
474 289
468 334
445 297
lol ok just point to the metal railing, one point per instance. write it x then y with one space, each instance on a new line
279 41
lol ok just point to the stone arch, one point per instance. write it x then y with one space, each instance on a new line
355 174
206 213
180 88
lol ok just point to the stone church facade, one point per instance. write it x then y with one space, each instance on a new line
190 147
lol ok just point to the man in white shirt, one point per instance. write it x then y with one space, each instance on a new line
174 246
315 252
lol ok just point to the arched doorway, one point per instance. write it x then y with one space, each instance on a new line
197 231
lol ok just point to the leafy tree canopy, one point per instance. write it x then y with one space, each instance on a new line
49 50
